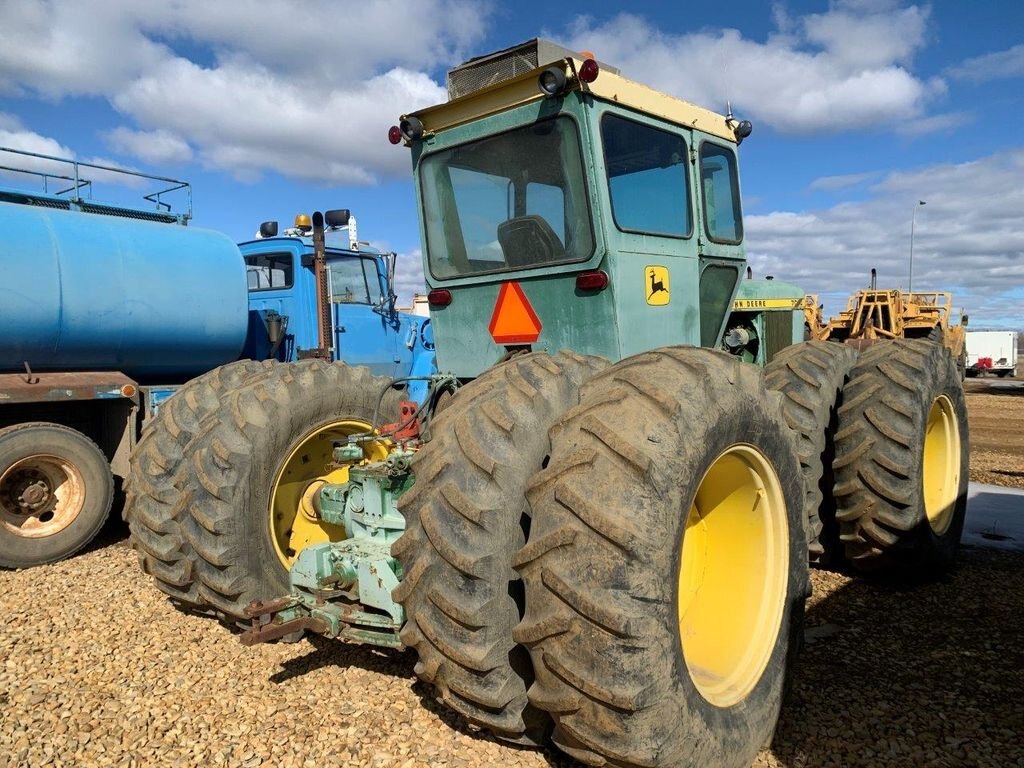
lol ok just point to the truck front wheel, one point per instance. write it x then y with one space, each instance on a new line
55 493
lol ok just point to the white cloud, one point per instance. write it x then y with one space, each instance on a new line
944 122
246 119
841 70
70 48
968 238
155 147
991 66
835 183
304 87
16 136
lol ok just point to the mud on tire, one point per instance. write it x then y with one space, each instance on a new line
235 459
810 376
607 604
902 458
153 503
466 518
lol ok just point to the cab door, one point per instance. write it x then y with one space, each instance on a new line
362 334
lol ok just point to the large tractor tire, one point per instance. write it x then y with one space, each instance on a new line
666 566
255 462
810 377
153 503
901 464
55 493
467 517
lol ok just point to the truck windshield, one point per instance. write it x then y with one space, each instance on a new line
354 281
508 202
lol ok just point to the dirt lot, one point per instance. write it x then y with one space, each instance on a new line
96 668
995 409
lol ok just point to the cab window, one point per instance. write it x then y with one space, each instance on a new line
269 271
721 192
348 281
647 178
516 200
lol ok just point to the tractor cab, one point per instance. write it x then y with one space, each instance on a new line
570 207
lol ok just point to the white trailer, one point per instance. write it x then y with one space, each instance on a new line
992 352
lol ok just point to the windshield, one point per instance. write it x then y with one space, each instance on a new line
354 281
512 201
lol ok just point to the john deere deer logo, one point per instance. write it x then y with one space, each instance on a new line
657 287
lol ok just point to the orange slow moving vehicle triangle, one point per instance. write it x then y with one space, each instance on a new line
513 321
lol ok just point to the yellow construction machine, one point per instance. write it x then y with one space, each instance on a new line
878 314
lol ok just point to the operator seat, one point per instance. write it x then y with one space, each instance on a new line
529 240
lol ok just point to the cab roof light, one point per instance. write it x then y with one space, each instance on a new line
589 70
552 82
411 128
395 134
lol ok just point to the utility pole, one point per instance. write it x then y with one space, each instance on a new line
913 215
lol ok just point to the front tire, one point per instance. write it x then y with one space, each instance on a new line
56 489
902 458
666 567
254 460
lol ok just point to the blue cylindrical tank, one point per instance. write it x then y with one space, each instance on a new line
83 291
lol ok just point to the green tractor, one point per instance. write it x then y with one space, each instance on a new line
595 528
767 316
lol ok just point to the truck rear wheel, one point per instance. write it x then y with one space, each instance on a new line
466 518
810 377
254 462
902 457
55 493
666 566
153 503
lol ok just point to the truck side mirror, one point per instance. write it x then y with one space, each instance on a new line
337 218
391 260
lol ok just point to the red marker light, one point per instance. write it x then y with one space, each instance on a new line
395 134
594 280
439 297
589 70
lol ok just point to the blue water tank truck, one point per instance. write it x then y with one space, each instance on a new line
109 310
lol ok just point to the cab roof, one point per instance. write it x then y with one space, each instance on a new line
609 86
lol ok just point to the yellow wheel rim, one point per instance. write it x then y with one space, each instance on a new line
40 495
294 523
941 475
733 575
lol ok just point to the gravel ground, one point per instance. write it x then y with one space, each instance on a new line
98 669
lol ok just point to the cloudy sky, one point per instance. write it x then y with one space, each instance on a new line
861 109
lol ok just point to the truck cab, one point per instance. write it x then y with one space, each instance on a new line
365 328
